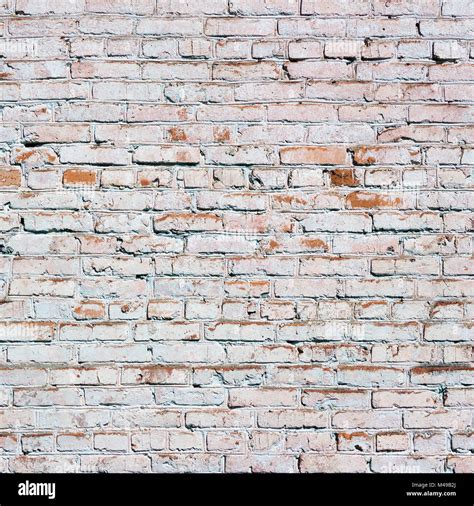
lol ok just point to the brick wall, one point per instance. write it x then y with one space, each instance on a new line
236 235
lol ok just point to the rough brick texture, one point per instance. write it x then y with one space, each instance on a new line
236 235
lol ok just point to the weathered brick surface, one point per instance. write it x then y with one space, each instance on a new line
236 236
